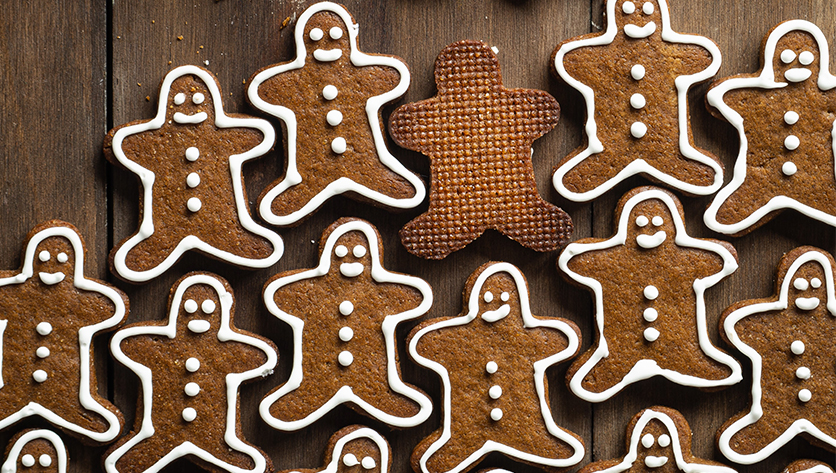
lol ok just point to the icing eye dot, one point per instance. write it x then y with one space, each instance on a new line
350 460
27 460
787 56
664 440
505 296
62 257
658 221
642 221
648 8
341 251
45 460
208 306
43 256
316 34
628 8
806 58
800 284
359 251
488 296
180 99
647 440
368 462
198 98
335 32
816 283
190 306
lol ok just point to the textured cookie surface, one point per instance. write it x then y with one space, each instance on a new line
492 360
648 283
344 314
789 339
354 449
784 116
478 136
634 78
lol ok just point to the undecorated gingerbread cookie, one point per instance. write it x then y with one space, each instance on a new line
648 283
789 339
36 451
492 360
354 449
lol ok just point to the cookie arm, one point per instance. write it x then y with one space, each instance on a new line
377 80
579 64
537 109
693 59
409 121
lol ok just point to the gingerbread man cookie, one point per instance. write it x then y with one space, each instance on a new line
660 442
344 314
635 77
789 339
329 99
188 160
36 451
495 395
49 314
648 283
354 449
478 136
190 369
784 116
808 466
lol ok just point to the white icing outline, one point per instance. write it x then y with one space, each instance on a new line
193 242
363 432
540 366
373 105
10 465
756 412
816 469
645 369
233 381
632 453
639 166
766 80
85 337
388 326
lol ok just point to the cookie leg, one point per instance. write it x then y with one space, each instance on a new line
300 403
143 455
238 241
690 172
452 453
606 373
220 450
428 236
391 402
590 173
294 198
383 181
538 225
742 203
149 253
755 437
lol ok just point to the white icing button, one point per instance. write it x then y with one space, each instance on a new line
44 328
316 34
192 389
816 283
193 180
198 98
651 334
791 118
637 72
368 463
190 306
651 293
335 32
334 117
787 56
496 414
346 334
350 460
504 297
192 153
657 221
647 440
208 306
803 373
192 365
650 314
488 296
346 307
359 251
806 58
664 440
329 92
189 414
805 395
341 251
45 460
801 284
43 256
797 347
638 130
40 376
789 168
27 460
629 8
648 8
791 142
338 145
491 367
180 99
345 358
62 257
638 101
194 204
642 221
199 326
42 352
495 392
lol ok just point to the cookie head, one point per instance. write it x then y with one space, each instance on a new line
638 19
650 224
360 456
189 101
808 287
352 254
654 449
497 296
326 37
200 310
467 66
797 57
54 261
36 451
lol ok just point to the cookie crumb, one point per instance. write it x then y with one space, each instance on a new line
180 38
147 98
285 23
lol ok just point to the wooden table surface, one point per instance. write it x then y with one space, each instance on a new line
71 70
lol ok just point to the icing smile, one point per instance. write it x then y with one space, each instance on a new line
498 314
798 74
639 32
327 55
655 462
351 269
651 241
51 278
803 303
198 117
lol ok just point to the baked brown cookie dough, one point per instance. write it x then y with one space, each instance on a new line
354 449
808 466
36 451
